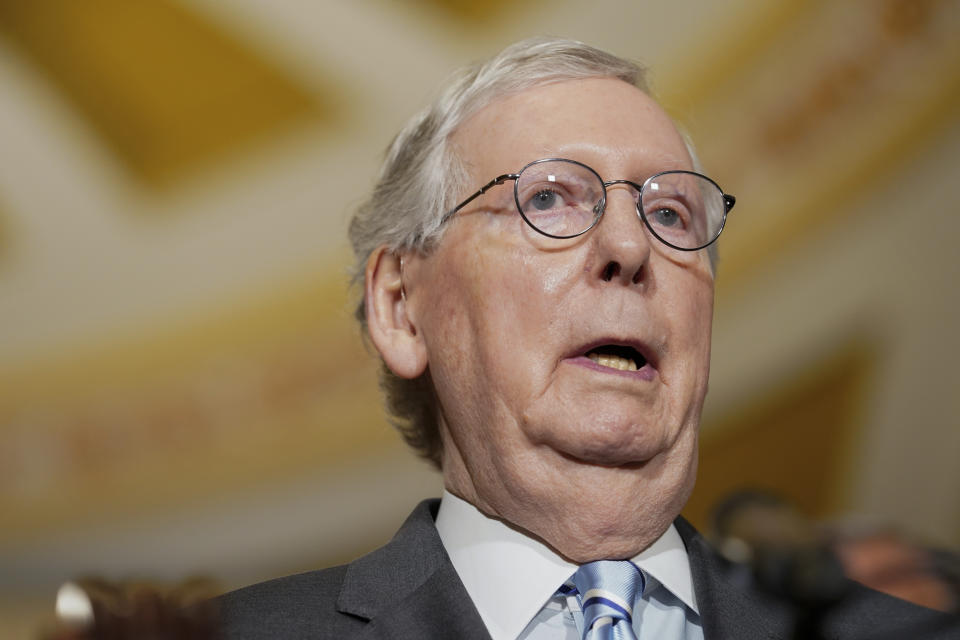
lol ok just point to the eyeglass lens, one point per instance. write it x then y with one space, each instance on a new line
563 199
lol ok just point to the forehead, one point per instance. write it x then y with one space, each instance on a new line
604 122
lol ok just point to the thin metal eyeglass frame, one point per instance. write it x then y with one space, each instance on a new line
601 207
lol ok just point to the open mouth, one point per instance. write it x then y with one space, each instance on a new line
620 357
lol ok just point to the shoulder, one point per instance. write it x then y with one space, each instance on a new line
302 605
865 613
339 601
732 605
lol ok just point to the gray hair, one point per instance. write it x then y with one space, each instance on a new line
421 176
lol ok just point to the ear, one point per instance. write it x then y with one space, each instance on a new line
389 321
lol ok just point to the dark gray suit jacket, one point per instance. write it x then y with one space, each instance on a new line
409 590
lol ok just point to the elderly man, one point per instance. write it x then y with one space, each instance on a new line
538 270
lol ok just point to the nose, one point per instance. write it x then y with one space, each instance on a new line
621 243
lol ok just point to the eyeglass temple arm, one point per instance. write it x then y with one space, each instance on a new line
480 192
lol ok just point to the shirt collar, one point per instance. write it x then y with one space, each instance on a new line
667 561
510 576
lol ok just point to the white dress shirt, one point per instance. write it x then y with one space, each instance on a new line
513 580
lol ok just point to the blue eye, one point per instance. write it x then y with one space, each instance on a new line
544 200
665 217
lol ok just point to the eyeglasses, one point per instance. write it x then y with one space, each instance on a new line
562 198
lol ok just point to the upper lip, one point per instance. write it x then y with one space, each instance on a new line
650 354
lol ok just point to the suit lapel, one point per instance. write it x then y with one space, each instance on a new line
439 608
729 609
409 588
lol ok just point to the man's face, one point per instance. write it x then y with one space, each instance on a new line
594 460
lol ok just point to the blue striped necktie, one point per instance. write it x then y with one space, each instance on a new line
607 590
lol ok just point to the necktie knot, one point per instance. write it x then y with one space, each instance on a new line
607 590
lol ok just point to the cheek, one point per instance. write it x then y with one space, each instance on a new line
471 315
518 300
493 329
691 311
700 336
692 308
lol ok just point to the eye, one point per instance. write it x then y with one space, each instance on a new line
544 199
665 217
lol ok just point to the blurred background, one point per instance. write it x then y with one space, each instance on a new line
182 388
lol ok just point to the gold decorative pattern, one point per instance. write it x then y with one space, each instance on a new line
842 96
850 80
816 202
165 89
163 420
700 78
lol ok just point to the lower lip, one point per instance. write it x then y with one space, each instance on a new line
646 372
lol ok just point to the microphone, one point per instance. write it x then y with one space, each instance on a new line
783 554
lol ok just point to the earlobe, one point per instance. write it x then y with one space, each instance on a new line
390 320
